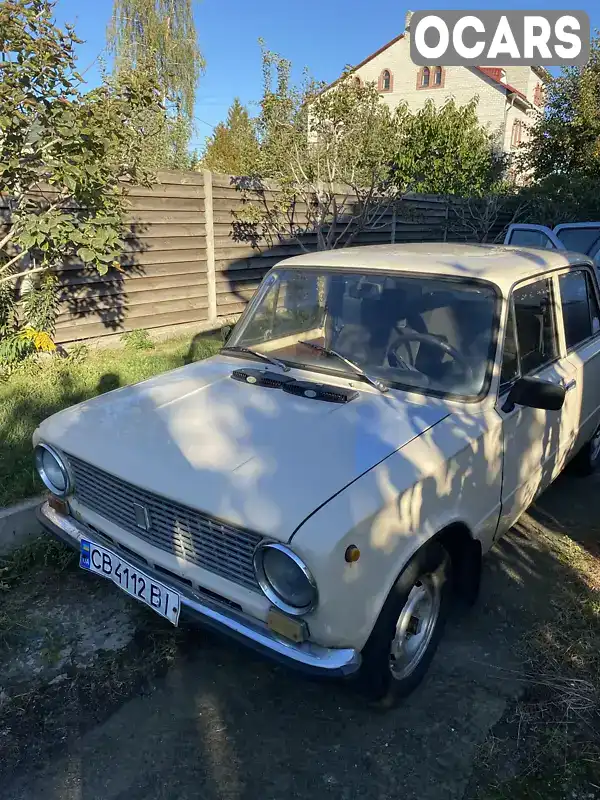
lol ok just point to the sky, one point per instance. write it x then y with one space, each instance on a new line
323 35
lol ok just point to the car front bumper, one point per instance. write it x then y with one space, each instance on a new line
306 656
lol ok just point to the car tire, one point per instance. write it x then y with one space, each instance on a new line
587 460
408 629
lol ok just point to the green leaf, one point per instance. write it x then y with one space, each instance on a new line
86 254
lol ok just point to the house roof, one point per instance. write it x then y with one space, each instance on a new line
366 60
495 73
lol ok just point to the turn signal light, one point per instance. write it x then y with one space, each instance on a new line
59 505
352 554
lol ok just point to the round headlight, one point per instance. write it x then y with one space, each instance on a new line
53 470
285 579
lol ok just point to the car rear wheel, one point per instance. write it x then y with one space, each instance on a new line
587 460
409 628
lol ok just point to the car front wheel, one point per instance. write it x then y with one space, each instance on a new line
408 630
587 460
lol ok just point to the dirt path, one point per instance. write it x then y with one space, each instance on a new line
222 723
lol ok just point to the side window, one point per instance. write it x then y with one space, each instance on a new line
579 307
593 298
510 354
528 237
536 327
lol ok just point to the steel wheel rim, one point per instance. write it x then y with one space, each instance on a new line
415 626
595 447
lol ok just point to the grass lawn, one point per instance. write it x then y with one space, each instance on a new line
39 390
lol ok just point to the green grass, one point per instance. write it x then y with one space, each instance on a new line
36 391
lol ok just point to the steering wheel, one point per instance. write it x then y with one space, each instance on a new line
409 335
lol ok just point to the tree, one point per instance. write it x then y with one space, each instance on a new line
565 138
233 147
158 38
63 155
343 159
329 152
446 151
562 155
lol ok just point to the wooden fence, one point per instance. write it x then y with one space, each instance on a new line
182 264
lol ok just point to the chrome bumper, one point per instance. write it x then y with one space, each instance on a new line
308 657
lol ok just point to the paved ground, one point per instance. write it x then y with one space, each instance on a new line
223 723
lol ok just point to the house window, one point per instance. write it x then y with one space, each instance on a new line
425 74
356 80
538 95
517 130
437 76
385 81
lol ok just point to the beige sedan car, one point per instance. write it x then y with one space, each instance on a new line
323 487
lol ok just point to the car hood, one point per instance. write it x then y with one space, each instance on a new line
249 455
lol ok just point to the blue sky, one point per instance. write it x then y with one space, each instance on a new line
323 35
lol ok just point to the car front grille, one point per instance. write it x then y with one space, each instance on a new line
188 534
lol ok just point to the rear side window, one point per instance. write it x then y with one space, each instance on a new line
536 327
579 307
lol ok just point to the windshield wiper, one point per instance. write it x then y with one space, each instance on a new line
359 370
234 348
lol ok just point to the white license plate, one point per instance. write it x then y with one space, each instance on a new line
156 595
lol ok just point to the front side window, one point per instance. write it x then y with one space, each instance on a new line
579 307
510 354
430 335
530 237
536 325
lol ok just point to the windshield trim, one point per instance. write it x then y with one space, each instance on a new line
393 384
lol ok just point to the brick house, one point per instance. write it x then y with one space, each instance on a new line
508 96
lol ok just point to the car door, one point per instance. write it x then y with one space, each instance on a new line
535 441
581 317
525 235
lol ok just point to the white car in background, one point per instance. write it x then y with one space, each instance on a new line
322 487
579 237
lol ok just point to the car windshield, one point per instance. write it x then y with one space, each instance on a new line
426 334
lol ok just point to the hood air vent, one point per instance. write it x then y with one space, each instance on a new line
320 391
259 377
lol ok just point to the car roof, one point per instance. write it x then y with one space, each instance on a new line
500 264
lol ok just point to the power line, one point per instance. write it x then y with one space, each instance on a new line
199 119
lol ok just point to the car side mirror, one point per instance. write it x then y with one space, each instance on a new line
226 332
535 393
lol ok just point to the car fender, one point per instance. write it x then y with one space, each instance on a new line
449 475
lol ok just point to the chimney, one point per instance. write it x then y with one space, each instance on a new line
407 21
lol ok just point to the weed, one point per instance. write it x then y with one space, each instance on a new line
137 340
556 725
43 551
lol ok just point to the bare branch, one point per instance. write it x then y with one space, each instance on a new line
16 275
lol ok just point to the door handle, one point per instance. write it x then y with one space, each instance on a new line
570 385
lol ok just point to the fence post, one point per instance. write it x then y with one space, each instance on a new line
393 236
211 280
446 219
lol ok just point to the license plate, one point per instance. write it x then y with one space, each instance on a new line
136 583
